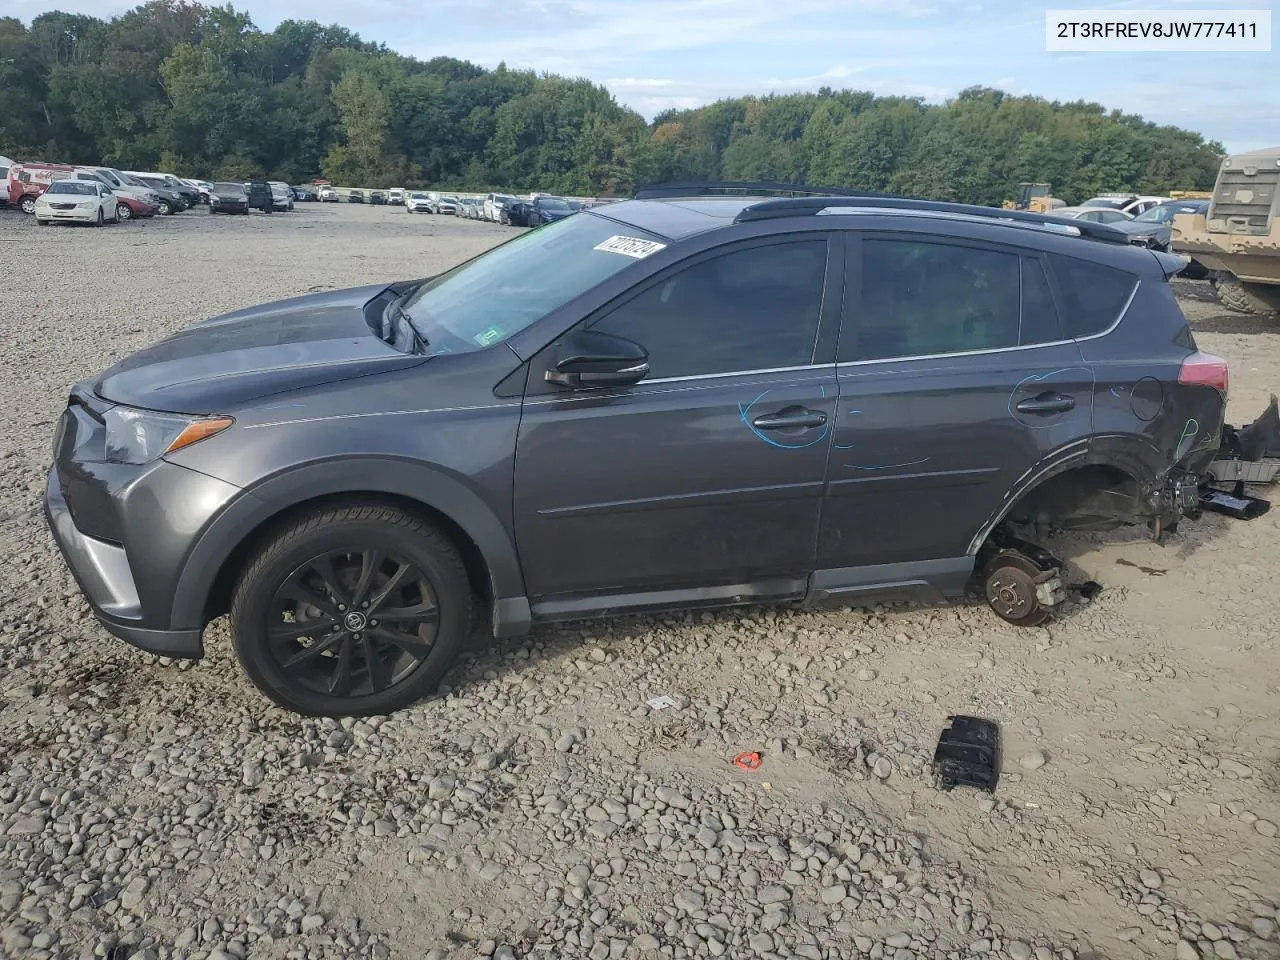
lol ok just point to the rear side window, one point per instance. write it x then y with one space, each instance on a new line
1092 295
921 298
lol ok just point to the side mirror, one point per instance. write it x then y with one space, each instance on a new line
586 359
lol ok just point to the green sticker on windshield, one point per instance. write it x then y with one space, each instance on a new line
486 337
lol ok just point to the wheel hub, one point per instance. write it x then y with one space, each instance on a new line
354 621
1006 594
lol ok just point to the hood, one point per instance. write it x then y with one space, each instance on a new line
216 364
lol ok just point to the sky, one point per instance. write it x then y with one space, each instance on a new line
655 54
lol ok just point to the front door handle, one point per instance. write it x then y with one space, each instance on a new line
790 421
1047 403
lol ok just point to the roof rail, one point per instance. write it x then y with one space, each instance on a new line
703 188
810 206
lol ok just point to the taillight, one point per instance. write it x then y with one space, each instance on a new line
1206 370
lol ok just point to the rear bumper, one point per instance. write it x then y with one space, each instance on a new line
105 577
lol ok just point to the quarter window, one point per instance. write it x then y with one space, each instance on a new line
921 298
751 309
1092 295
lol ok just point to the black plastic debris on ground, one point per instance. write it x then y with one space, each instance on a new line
1236 504
968 754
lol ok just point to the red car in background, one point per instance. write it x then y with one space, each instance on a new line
131 207
28 180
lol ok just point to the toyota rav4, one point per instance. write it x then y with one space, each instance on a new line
675 401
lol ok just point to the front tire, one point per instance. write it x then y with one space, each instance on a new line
1256 298
100 220
27 205
164 209
354 609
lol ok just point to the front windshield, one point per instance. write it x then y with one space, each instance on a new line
72 186
497 295
232 188
110 176
1115 203
556 206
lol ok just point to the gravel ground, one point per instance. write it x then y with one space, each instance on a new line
538 807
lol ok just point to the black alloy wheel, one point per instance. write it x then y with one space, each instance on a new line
355 610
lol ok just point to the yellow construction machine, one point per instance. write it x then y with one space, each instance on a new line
1035 197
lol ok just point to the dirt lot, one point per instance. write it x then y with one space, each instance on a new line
539 807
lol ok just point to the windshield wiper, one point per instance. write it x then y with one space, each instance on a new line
398 327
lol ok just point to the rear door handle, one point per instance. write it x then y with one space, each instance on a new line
790 421
1047 403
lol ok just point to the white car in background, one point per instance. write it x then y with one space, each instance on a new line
418 202
493 205
281 195
5 164
1096 214
77 201
1130 203
395 196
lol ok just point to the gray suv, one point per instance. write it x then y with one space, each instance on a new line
675 401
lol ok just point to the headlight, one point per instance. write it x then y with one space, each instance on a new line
140 436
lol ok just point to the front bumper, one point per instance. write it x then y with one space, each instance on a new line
76 216
105 577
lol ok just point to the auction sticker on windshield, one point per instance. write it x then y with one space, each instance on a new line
630 246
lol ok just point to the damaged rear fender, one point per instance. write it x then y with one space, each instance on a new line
1087 487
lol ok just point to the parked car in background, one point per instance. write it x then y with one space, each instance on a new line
1131 203
261 196
493 205
171 201
355 196
202 187
417 203
378 197
120 182
548 210
281 195
131 208
5 164
327 194
76 201
141 195
447 205
517 212
475 208
1153 228
395 196
304 193
229 198
1106 215
190 195
28 180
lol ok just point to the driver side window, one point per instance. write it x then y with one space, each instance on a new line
755 308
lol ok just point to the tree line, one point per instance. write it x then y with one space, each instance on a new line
201 91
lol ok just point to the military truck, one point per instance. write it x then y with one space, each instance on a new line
1238 240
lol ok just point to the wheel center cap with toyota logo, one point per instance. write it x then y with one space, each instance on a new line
354 621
